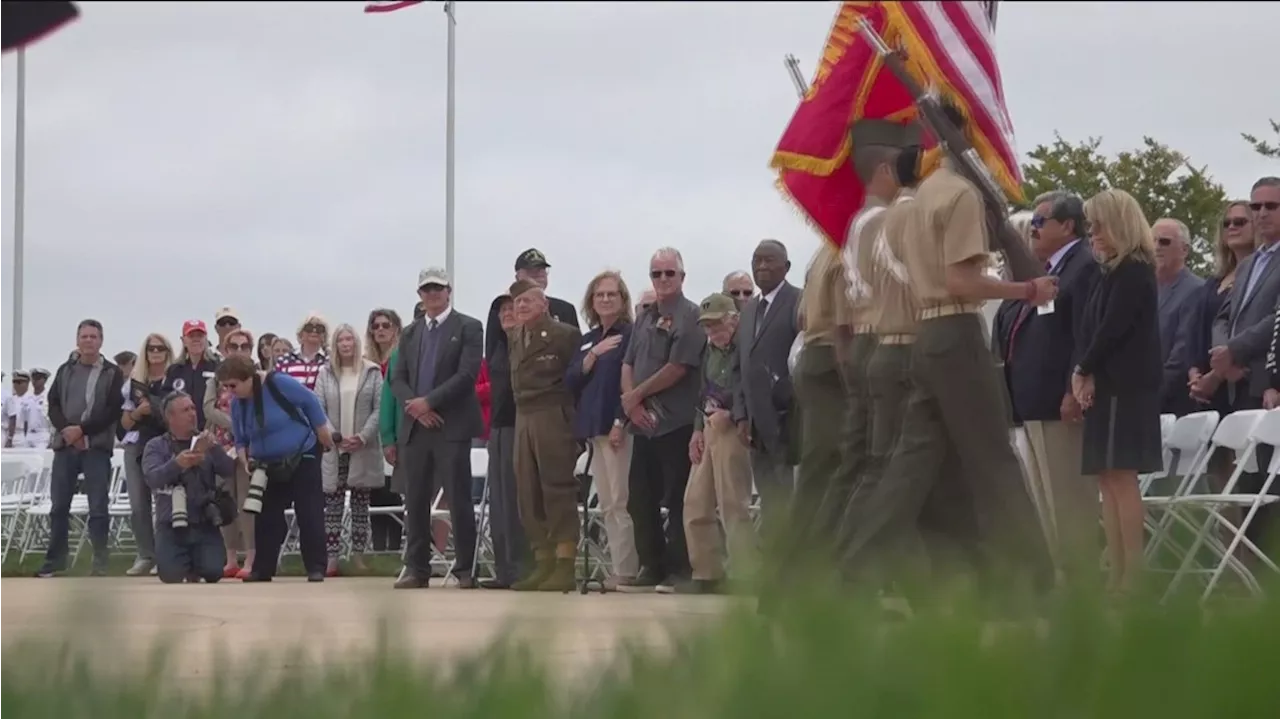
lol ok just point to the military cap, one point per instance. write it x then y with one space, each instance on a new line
884 132
531 259
40 372
519 287
716 307
21 376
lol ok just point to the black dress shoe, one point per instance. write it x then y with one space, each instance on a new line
315 576
255 578
494 584
412 581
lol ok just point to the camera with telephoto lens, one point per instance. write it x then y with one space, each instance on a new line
257 487
179 501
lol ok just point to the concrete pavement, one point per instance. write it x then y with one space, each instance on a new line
258 624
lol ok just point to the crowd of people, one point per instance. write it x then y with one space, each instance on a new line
883 444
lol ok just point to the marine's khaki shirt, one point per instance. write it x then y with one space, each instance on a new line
824 302
856 258
947 226
896 308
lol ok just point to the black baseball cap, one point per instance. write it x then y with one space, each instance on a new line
531 259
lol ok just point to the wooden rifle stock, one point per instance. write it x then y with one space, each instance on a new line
1002 237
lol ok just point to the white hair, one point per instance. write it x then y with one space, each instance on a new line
736 274
1184 232
672 253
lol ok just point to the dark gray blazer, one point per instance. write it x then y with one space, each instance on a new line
453 391
764 392
1248 322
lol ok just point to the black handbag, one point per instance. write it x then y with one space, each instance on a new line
226 506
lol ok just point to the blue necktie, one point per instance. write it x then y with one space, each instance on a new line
427 359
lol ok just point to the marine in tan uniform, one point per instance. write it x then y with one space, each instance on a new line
956 401
545 450
878 144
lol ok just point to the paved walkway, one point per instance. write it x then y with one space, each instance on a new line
338 618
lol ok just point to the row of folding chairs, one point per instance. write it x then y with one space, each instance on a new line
1203 522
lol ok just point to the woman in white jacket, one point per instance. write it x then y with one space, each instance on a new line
349 388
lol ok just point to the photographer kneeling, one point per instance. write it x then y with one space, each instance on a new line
181 467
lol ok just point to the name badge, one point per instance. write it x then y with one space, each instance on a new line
1045 309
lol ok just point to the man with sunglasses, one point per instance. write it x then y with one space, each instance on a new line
1177 286
225 320
740 287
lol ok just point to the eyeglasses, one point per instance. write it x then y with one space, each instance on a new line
1235 222
658 274
157 349
1271 206
314 327
227 322
1037 221
740 293
1164 241
381 326
239 346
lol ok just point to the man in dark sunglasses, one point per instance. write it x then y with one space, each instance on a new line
739 286
1177 287
225 320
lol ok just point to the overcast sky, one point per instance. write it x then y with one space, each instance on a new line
288 157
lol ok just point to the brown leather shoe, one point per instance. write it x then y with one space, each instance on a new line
409 580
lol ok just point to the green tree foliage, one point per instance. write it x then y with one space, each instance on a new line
1262 147
1160 178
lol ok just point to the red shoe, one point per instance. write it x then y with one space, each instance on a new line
242 574
231 571
331 572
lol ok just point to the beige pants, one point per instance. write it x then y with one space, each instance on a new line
722 480
611 468
1067 501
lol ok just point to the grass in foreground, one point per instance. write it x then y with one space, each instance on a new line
823 656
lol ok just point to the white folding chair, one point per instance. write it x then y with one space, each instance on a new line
1188 447
1204 512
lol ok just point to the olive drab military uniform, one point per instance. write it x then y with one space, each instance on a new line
820 394
545 450
955 403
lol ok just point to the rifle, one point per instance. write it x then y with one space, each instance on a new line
1002 236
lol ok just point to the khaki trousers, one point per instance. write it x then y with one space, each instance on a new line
721 480
611 469
546 489
1066 501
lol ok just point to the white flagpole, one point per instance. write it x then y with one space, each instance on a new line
19 202
448 151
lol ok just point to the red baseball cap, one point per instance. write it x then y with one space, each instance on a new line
194 326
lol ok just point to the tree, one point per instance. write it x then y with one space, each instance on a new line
1161 179
1262 147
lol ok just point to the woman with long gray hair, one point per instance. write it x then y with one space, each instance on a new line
349 388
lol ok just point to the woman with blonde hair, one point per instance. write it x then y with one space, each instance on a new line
1117 381
349 388
595 376
237 536
381 335
304 363
142 423
1234 243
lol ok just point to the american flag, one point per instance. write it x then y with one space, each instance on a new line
389 5
949 47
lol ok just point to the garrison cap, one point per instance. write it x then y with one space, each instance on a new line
519 287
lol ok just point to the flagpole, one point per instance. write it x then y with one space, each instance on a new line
19 203
448 151
793 67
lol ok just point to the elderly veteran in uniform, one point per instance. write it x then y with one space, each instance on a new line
545 450
957 402
878 145
719 488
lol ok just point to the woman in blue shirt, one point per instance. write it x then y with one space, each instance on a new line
595 377
278 424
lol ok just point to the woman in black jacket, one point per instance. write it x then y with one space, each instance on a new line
142 422
1117 380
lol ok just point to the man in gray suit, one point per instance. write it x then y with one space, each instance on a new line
763 401
434 379
1177 286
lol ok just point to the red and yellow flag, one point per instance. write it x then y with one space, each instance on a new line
948 48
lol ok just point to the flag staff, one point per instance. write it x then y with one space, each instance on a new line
793 67
19 203
448 150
